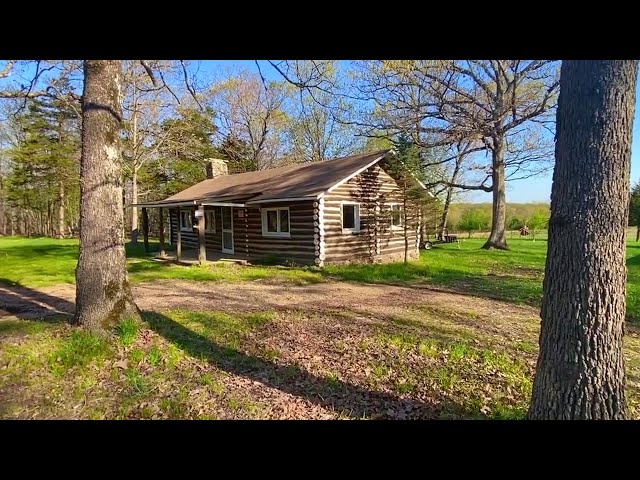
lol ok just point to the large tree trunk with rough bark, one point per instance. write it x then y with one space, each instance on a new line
580 372
498 236
103 294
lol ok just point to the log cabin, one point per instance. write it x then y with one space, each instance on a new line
342 210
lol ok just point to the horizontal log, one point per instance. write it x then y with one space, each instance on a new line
306 249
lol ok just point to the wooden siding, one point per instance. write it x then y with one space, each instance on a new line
248 240
374 190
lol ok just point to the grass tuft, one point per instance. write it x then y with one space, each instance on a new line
128 331
78 351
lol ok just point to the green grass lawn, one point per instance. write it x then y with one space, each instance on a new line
514 275
428 360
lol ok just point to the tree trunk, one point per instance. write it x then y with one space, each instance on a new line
498 236
103 293
445 211
404 225
134 210
61 211
447 200
580 371
145 229
161 232
638 232
202 246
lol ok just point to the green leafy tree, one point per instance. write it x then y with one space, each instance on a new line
182 156
237 153
538 221
473 220
634 209
515 223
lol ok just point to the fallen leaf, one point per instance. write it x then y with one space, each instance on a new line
123 364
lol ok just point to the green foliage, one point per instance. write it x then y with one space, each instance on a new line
128 330
515 223
634 205
44 161
78 351
473 220
538 221
237 153
187 143
518 214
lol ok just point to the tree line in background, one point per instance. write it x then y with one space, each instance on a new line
476 217
474 125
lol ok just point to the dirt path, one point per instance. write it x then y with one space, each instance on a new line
260 295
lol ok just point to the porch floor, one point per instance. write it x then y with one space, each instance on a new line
190 257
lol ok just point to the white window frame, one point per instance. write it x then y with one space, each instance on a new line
278 234
356 228
401 207
210 227
182 227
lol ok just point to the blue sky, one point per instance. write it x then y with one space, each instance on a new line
537 189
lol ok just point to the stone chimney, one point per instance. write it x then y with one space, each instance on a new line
216 167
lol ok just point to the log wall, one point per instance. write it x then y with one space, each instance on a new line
248 240
374 190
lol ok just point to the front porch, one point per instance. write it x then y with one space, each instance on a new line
192 257
199 232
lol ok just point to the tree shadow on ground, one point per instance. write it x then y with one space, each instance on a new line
504 287
349 400
29 304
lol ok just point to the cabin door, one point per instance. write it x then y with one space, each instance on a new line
227 229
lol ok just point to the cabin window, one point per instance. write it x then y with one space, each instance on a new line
210 221
397 217
275 222
186 220
350 217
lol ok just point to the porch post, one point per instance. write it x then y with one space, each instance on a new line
202 247
178 240
145 229
161 233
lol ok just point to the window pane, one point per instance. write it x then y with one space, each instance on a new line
284 220
396 215
185 219
209 221
348 216
226 218
272 221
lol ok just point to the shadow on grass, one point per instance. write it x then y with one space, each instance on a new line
504 287
29 304
348 399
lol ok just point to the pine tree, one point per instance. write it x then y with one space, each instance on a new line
46 164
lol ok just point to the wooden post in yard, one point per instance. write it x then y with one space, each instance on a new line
161 233
202 246
178 240
145 229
